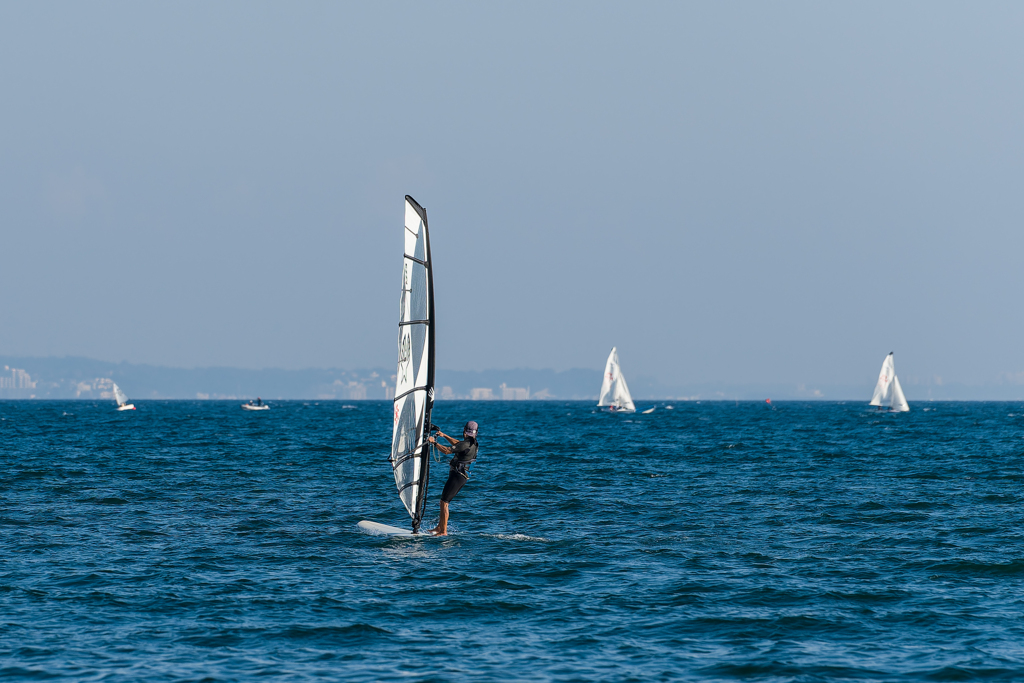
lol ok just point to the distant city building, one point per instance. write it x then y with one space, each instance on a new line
352 390
16 383
514 393
447 394
97 387
19 379
481 394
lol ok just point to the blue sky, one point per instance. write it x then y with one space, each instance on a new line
743 192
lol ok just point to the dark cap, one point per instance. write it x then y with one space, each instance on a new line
470 428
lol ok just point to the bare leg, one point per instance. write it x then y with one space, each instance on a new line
442 523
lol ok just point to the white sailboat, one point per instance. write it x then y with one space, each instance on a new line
888 391
614 392
122 399
414 386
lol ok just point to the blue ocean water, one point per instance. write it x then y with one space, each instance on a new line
194 541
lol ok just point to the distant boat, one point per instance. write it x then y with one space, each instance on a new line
122 399
888 391
259 405
614 392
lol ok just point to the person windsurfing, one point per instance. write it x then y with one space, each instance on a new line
464 456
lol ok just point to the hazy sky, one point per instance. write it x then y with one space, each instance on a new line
744 192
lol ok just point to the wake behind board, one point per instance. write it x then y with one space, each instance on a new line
378 529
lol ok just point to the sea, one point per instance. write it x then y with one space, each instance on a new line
712 541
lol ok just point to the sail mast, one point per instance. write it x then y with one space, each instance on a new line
414 382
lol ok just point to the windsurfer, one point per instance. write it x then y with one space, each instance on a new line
465 454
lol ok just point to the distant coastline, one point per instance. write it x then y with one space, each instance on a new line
26 377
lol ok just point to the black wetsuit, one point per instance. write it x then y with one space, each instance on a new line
462 457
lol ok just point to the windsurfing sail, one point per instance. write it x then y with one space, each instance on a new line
414 386
614 392
120 396
888 391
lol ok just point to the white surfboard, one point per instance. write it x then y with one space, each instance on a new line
378 529
648 411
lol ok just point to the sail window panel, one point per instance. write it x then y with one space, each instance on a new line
413 231
421 248
405 440
404 437
409 494
418 305
418 334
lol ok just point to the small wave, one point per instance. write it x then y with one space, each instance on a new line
340 633
518 537
1012 568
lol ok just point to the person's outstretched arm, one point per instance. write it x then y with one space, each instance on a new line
447 450
452 440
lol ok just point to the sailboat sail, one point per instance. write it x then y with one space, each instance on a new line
614 392
120 396
888 391
899 401
414 386
883 386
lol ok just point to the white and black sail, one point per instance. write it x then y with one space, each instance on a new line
614 392
414 386
888 391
